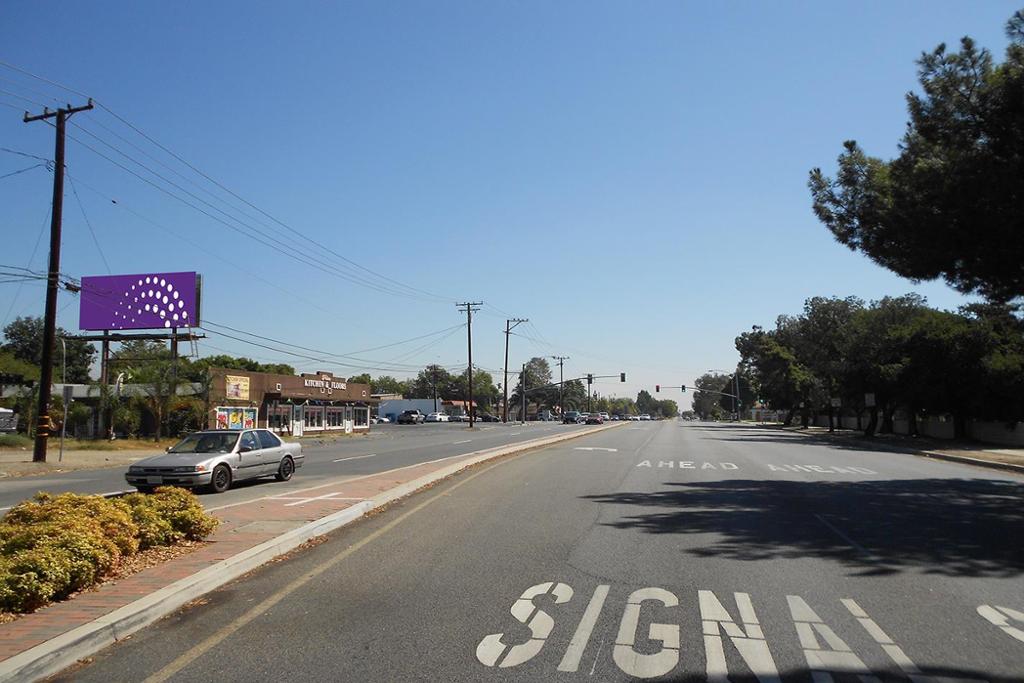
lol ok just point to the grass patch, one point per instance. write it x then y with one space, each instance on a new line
15 441
19 441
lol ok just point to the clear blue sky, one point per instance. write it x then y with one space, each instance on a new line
629 176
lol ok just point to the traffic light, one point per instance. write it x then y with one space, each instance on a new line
684 388
657 388
622 377
590 378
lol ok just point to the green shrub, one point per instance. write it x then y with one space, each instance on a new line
113 519
154 528
174 507
52 546
32 578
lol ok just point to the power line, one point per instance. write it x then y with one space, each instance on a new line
221 259
25 154
89 223
24 99
351 277
19 172
279 247
253 206
318 359
40 78
339 355
39 237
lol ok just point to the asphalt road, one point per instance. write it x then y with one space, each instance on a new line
673 551
385 448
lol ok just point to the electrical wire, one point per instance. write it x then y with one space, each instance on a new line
349 356
39 238
196 245
92 232
253 206
25 154
40 78
19 172
245 229
404 289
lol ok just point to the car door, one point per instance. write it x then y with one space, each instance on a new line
272 450
250 456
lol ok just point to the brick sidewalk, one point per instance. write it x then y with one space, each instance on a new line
243 527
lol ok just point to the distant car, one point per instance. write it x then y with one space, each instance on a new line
382 419
436 417
634 418
605 416
595 419
645 417
216 459
486 417
411 417
571 417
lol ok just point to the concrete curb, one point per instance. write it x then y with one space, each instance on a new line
935 455
66 649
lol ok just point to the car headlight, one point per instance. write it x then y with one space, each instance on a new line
134 470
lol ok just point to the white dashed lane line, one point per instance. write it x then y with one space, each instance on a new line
356 457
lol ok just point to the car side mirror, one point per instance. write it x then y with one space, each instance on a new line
168 449
244 449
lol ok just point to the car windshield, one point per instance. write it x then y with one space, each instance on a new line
206 443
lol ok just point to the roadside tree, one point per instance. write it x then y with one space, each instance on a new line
949 206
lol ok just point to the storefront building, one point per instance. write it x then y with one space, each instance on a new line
288 404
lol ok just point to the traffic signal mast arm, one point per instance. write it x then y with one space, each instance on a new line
659 387
588 378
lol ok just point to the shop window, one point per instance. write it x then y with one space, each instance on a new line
314 416
362 417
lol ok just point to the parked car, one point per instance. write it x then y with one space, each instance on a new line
411 417
645 417
382 419
605 416
571 417
436 417
216 459
634 418
595 419
487 417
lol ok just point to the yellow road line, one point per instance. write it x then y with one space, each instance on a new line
215 639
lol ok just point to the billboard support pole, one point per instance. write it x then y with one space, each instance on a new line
53 276
107 413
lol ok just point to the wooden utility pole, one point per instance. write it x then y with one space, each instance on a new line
522 387
561 366
469 308
509 326
53 276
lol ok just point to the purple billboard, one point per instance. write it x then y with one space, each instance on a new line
139 302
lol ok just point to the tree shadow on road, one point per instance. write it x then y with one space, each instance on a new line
953 527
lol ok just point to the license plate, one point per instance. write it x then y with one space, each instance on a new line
154 480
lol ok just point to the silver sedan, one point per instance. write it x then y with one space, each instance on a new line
215 459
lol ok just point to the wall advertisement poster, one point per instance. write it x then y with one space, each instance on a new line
229 417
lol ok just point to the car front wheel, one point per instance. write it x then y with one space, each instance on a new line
285 470
221 479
